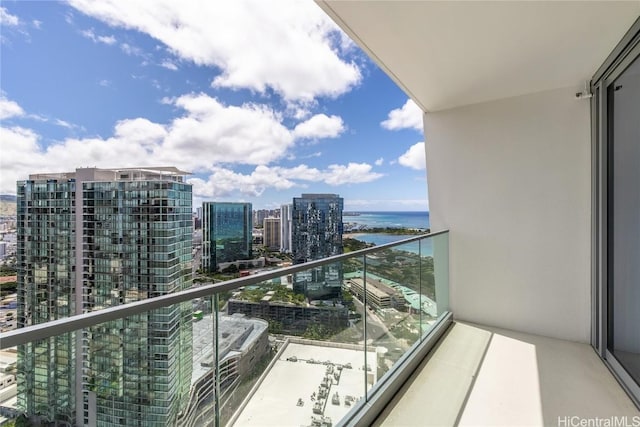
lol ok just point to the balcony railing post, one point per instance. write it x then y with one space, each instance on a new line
441 272
216 359
421 293
364 316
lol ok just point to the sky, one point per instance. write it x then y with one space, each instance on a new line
260 101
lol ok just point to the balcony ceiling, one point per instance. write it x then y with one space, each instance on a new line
446 54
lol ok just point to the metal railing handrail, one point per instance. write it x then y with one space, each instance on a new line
80 321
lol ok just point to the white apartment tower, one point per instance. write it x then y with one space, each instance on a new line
285 227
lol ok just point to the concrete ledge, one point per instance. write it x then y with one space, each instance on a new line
437 391
482 376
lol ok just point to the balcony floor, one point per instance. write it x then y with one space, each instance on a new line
482 376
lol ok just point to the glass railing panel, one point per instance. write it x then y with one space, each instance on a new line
428 305
434 258
135 370
392 299
201 409
303 348
43 385
140 367
302 360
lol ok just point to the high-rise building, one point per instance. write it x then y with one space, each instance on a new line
271 233
226 233
92 239
259 216
316 233
285 228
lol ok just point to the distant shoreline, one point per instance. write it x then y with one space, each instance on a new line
398 231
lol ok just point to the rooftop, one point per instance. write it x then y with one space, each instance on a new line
275 401
237 332
113 174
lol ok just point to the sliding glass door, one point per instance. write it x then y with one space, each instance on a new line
616 114
623 204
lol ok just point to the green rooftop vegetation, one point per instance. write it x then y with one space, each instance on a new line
280 294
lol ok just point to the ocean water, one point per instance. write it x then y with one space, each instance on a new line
411 219
353 225
424 246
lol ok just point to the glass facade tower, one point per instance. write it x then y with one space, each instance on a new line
46 373
226 233
92 239
316 233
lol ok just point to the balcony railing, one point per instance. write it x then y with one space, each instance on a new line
248 351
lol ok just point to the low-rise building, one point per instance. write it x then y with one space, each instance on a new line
292 318
242 343
8 386
8 311
378 295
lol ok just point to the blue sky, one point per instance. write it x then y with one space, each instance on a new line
261 101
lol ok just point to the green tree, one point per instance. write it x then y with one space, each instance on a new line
275 327
230 269
347 300
351 245
8 270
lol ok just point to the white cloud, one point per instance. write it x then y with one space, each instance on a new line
169 65
298 112
292 47
91 35
353 173
379 162
205 138
107 39
8 19
224 182
104 83
64 124
409 116
414 157
140 131
212 133
18 146
131 50
9 108
206 135
37 24
302 172
156 84
319 126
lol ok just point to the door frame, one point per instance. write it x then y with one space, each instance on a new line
627 50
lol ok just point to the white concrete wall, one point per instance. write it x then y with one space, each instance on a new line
511 180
